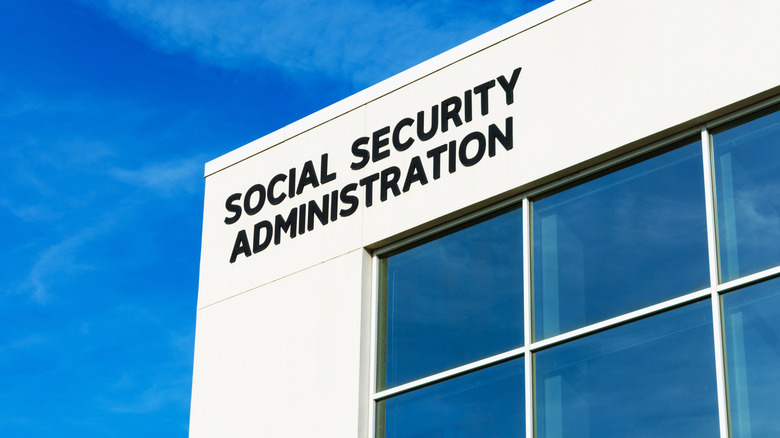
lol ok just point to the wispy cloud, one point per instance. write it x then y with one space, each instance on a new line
59 259
165 178
146 399
65 258
27 213
137 392
361 41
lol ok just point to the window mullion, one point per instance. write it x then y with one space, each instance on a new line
374 347
717 319
527 318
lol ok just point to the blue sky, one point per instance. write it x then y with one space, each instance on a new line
108 111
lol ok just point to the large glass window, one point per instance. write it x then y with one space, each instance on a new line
620 242
452 300
752 328
485 403
747 176
628 248
651 378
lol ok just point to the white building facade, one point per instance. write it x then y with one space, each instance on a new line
567 227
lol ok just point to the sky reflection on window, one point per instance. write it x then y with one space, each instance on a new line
620 242
485 403
747 176
647 379
453 300
752 331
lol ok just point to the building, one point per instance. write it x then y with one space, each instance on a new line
567 227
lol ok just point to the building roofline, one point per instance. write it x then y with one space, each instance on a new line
387 86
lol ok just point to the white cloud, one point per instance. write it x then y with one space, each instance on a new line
27 213
140 392
59 259
143 399
164 178
361 41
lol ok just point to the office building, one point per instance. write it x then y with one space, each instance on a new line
567 227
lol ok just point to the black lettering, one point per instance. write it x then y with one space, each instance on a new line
241 246
273 199
334 205
435 153
348 199
285 224
368 183
308 176
378 141
320 212
291 184
397 144
482 91
462 151
230 206
390 177
421 134
325 177
450 108
363 154
467 106
257 245
504 138
509 87
301 219
416 173
254 209
452 159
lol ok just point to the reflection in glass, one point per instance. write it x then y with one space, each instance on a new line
452 300
650 378
752 329
485 403
747 182
620 242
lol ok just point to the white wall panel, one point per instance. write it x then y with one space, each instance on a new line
284 360
220 279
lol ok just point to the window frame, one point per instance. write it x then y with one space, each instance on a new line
713 292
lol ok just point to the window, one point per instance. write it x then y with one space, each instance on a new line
484 403
453 300
752 330
652 378
620 242
747 160
646 305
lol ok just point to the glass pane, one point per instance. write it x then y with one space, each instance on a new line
650 378
486 403
620 242
452 301
752 324
747 182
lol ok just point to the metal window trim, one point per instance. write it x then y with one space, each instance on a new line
713 292
717 314
448 225
620 320
738 114
747 280
528 369
450 373
540 190
374 344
